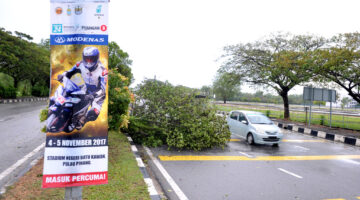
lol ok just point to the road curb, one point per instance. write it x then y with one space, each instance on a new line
154 195
8 101
321 134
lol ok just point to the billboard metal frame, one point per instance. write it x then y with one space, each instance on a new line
319 94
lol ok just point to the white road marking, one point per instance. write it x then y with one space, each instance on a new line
171 181
130 139
140 162
151 187
300 147
351 161
133 148
245 154
19 163
290 173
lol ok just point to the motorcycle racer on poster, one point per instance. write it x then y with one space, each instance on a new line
94 74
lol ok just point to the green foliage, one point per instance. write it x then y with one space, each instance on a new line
339 63
344 102
23 59
119 61
268 113
24 88
172 115
6 80
144 132
225 87
43 114
8 92
120 78
207 91
40 90
319 103
280 62
119 100
322 120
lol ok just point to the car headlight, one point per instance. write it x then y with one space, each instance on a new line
260 131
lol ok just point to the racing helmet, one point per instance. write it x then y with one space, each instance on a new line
90 57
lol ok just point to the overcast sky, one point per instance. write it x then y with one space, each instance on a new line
180 40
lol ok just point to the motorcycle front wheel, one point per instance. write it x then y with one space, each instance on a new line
52 121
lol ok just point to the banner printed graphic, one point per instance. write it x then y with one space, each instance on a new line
76 151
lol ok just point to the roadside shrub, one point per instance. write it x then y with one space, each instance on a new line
7 89
119 100
43 114
8 92
322 120
24 88
144 132
268 112
40 90
175 117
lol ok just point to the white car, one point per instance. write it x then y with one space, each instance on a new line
255 127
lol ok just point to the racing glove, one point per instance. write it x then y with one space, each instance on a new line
60 77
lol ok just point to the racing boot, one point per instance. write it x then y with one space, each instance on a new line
71 127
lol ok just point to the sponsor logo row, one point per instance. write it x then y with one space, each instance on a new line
77 10
59 28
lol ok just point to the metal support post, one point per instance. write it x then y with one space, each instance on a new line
330 112
310 114
73 193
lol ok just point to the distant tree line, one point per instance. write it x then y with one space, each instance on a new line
258 96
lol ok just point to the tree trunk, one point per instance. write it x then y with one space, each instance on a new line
224 101
285 98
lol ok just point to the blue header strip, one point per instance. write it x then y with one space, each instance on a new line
78 39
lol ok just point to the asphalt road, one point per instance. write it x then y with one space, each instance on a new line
302 167
19 134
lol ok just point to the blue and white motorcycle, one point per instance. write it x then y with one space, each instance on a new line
66 105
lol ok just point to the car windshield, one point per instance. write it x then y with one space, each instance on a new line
258 119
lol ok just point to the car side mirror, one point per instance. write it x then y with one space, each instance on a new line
244 122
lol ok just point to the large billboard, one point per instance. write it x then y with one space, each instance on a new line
319 94
76 151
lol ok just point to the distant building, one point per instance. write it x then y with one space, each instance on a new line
353 104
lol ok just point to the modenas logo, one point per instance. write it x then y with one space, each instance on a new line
79 39
60 40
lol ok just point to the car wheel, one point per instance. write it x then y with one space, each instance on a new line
276 145
250 139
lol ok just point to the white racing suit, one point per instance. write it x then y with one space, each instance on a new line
95 82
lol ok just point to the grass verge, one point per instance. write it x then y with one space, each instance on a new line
339 121
125 178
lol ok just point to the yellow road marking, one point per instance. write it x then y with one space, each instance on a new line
335 199
299 141
260 158
358 197
303 141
